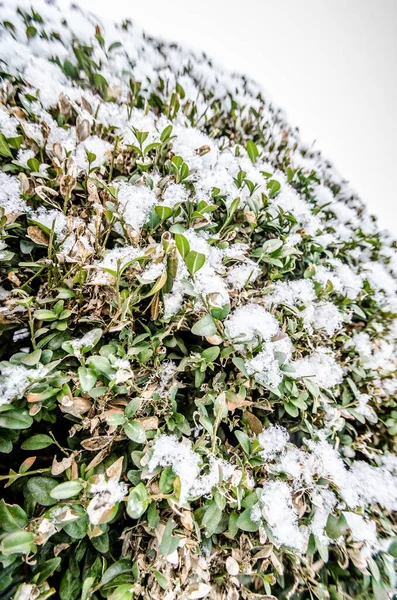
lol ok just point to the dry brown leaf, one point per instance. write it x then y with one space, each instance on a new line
60 548
96 443
215 340
115 469
37 235
254 423
32 397
34 409
232 566
76 406
97 459
59 467
187 520
198 590
13 278
92 191
237 402
149 423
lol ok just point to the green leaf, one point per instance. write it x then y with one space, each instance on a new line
45 315
114 45
15 419
322 549
153 516
122 592
166 133
291 409
100 82
12 517
240 364
77 529
182 244
68 489
184 171
312 387
4 147
115 419
40 489
101 364
194 261
140 135
120 567
273 186
205 326
252 151
220 313
87 379
135 432
211 354
33 164
70 586
101 543
138 501
164 212
87 587
37 442
271 246
18 542
244 440
47 569
392 550
132 407
5 446
161 579
336 526
211 518
15 142
245 522
30 360
169 543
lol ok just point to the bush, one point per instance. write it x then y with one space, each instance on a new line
197 393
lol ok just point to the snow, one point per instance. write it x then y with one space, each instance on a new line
279 513
294 293
119 257
243 274
8 123
87 340
10 194
186 464
107 494
135 203
323 316
273 440
175 193
321 367
251 324
265 366
15 379
94 145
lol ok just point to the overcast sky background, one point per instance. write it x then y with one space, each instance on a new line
331 64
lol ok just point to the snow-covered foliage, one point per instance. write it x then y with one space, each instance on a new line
199 325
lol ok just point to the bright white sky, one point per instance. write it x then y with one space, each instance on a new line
331 64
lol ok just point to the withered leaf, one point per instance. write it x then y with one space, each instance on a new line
37 235
96 443
97 459
149 423
115 469
59 467
76 406
254 423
